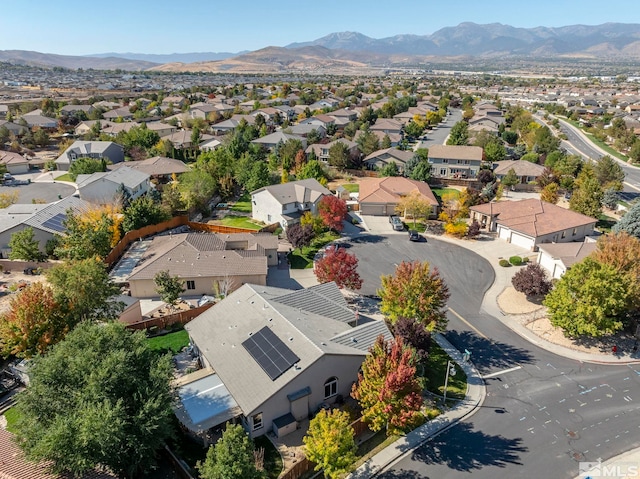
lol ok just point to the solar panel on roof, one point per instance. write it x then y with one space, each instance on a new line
56 223
268 350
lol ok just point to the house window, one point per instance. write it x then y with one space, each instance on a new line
443 172
445 160
563 235
575 232
331 387
191 285
257 421
269 218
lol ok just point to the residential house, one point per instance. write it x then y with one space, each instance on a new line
305 129
96 150
532 222
181 139
35 119
325 121
46 220
394 138
381 158
274 357
103 188
344 114
526 171
162 129
205 262
232 123
114 128
454 161
15 163
85 126
285 203
380 196
14 465
159 168
174 101
4 111
557 258
271 141
321 150
69 110
122 113
210 145
13 127
387 126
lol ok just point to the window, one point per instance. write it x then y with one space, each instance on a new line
563 234
443 172
257 421
191 285
445 160
575 232
269 218
331 387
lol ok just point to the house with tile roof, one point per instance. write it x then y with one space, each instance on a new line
321 150
158 167
102 187
287 202
13 464
380 196
381 158
96 150
15 163
271 141
532 222
272 357
526 171
205 261
557 258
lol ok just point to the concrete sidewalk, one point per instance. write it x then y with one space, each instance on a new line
476 393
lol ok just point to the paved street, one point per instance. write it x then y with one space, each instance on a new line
543 413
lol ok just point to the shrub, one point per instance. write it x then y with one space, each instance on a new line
525 259
457 229
504 263
515 260
532 281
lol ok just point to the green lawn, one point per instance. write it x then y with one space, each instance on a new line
304 259
65 177
240 222
436 372
440 192
605 223
351 187
11 415
172 342
242 206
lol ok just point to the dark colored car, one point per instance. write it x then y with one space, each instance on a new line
414 236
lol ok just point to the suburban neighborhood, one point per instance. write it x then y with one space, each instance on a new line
282 275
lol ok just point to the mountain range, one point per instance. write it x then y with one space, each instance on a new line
347 51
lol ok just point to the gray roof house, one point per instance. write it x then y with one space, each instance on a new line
203 260
285 203
90 149
454 161
272 140
526 171
274 356
381 158
102 187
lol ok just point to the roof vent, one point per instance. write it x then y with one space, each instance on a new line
251 302
291 339
354 340
323 343
250 334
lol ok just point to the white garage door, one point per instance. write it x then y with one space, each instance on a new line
504 233
522 241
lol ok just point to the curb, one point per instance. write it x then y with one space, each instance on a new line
414 439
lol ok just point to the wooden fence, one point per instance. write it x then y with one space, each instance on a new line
362 173
17 265
181 317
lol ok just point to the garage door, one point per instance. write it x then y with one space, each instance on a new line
373 209
504 233
522 241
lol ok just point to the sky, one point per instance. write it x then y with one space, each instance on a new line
73 27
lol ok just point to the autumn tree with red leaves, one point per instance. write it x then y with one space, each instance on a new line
333 212
415 291
339 266
388 389
532 281
33 322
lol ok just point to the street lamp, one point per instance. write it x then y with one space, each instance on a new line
451 370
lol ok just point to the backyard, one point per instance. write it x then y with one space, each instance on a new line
303 259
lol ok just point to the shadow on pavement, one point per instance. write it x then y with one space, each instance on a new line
402 474
469 450
487 354
366 239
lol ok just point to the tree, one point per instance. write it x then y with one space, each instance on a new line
333 211
197 187
339 155
386 142
486 176
415 291
610 198
587 194
84 290
168 287
609 173
85 166
387 388
330 443
299 236
634 152
414 206
511 137
510 179
414 334
24 246
87 237
421 171
495 151
339 266
32 323
259 178
143 211
531 281
119 412
368 142
621 251
459 134
390 169
474 229
312 169
550 193
590 299
630 222
232 457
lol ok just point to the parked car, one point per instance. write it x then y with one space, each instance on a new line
414 236
393 218
396 223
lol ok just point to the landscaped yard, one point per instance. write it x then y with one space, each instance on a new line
436 370
439 192
605 223
304 259
65 177
172 342
11 415
243 205
351 187
240 222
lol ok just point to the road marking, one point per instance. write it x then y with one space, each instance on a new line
468 324
631 186
498 373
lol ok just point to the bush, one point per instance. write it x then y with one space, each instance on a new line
525 259
532 281
457 229
515 260
504 263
